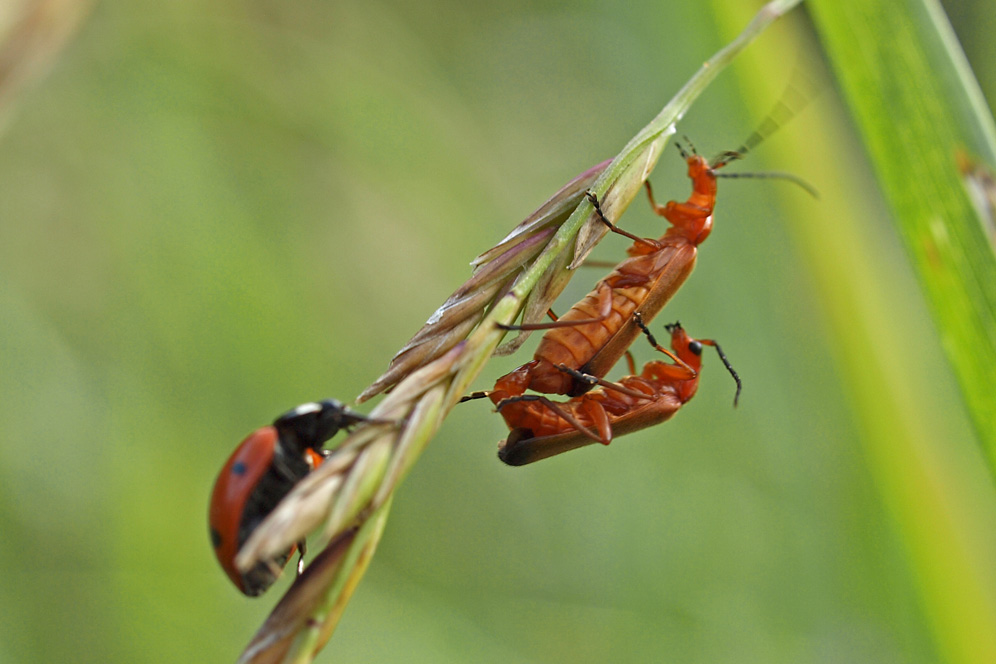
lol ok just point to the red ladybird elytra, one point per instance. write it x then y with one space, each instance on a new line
261 471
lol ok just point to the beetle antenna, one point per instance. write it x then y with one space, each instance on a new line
776 175
733 372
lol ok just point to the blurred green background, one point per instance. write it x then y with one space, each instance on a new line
211 212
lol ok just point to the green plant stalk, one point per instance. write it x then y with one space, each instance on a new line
901 55
314 636
295 635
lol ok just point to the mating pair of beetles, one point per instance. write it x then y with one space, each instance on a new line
572 359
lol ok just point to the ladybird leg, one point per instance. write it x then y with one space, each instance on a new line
275 569
314 458
302 548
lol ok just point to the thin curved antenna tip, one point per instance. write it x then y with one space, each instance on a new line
733 372
776 175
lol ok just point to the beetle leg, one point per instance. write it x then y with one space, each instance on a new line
604 311
607 384
556 409
659 209
599 417
590 195
638 319
630 363
480 394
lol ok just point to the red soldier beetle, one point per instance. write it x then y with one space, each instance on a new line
541 428
598 330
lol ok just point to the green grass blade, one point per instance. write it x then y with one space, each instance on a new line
915 451
914 99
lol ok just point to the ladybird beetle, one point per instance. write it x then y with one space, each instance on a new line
262 470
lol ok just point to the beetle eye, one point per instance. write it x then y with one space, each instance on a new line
695 347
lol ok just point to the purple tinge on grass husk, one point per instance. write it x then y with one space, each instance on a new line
495 272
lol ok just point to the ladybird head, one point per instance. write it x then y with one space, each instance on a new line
310 425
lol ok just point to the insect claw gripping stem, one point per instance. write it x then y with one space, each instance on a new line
593 199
